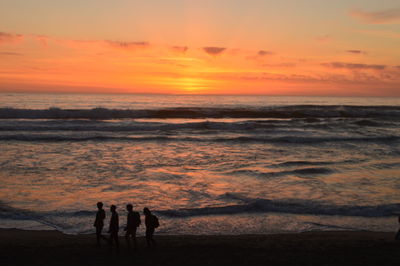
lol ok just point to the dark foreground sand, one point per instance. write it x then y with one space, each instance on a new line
315 248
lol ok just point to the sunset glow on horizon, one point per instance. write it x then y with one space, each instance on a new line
338 48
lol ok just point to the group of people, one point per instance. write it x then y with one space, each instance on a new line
133 222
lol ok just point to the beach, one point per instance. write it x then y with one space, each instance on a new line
19 247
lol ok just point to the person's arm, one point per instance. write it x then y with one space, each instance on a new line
96 220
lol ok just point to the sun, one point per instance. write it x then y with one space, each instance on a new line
191 84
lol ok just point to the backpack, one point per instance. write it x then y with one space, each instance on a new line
155 221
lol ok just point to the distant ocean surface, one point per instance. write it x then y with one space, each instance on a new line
204 164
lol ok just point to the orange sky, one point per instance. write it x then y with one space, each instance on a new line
262 47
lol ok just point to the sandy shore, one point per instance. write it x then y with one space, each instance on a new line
19 247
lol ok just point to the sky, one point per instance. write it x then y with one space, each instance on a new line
285 47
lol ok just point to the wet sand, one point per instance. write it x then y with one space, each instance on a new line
19 247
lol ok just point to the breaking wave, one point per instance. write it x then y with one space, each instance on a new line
281 140
289 206
296 111
310 171
62 220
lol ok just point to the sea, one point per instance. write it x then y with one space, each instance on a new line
204 164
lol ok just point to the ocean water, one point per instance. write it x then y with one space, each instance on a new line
203 164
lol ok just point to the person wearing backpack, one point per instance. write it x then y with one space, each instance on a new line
132 223
151 222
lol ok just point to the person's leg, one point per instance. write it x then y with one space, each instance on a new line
134 238
152 238
148 238
112 238
98 235
127 238
116 239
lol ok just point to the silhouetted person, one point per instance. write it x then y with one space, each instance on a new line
398 232
99 222
114 226
152 223
132 223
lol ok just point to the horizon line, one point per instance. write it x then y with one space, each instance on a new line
197 94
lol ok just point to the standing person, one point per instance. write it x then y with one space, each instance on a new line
132 223
152 223
99 222
114 226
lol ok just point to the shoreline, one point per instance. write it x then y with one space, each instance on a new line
51 247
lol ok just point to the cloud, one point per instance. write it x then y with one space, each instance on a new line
259 55
354 66
10 53
180 49
324 39
289 78
90 44
356 78
128 45
43 40
78 44
280 65
356 52
10 38
264 53
214 50
381 33
388 16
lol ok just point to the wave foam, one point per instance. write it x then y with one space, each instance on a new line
281 140
307 207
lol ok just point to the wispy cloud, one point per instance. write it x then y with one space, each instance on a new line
354 66
10 38
43 40
280 65
381 33
10 53
324 39
289 78
388 16
264 53
180 49
128 45
259 55
356 52
214 51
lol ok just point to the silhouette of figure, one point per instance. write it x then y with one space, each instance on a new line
151 222
99 222
398 232
114 226
132 223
